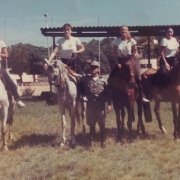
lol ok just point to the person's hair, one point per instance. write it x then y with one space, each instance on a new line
67 26
128 33
169 29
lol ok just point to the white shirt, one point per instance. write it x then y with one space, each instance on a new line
2 45
68 46
171 46
124 47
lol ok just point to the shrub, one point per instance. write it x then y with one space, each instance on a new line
27 92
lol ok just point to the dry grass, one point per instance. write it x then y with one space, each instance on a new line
35 153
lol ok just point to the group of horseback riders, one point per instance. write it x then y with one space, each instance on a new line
124 51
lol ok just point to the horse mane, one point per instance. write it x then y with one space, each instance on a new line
61 67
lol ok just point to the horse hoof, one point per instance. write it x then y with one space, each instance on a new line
120 141
62 144
131 142
73 146
163 130
10 138
176 140
4 149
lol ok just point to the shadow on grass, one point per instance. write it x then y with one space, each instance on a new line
135 134
34 140
44 140
111 133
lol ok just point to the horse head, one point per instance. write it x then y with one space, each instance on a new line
56 72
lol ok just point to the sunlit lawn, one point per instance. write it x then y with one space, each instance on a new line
35 152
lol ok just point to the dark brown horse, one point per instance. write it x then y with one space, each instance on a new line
168 92
124 94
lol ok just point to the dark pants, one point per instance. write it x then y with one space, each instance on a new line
172 61
11 86
74 65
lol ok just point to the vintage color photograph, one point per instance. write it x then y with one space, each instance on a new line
90 90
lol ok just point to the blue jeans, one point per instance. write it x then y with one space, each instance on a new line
11 86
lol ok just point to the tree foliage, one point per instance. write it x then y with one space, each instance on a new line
92 53
26 58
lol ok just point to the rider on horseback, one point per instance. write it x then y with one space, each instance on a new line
8 81
124 51
169 50
70 46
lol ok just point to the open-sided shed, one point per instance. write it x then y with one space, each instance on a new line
112 31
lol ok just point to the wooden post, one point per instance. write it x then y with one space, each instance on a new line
149 55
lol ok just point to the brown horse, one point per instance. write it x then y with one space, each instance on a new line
124 92
170 92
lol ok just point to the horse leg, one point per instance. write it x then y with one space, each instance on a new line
118 122
175 119
80 114
63 122
140 125
122 117
130 120
11 136
72 115
3 128
157 113
83 115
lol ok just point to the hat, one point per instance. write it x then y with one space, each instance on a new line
95 63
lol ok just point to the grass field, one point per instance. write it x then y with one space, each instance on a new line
35 153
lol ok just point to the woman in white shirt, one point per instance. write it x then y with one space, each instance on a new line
6 76
70 46
169 50
125 50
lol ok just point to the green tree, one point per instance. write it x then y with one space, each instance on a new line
92 53
26 58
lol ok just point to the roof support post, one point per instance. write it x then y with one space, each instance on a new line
149 56
53 42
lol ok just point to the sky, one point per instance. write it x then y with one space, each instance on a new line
21 20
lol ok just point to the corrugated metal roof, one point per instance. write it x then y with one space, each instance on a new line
111 31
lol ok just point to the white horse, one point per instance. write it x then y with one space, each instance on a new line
7 109
68 85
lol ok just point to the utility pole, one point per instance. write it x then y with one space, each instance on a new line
46 15
99 47
5 41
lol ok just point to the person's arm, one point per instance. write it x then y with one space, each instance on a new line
115 52
134 50
163 57
4 53
80 49
71 72
53 54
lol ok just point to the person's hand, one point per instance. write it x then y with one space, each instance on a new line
119 65
75 52
167 66
65 65
73 55
108 109
45 66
